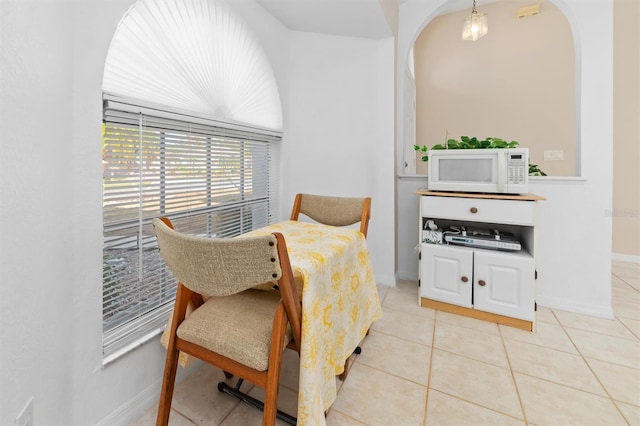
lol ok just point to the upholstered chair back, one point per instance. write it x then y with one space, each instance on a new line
218 266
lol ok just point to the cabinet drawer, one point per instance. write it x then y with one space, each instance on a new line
514 212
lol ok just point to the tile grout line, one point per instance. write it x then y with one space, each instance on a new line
387 373
613 401
400 337
578 354
433 341
478 405
624 280
599 333
482 362
628 328
332 410
513 377
405 312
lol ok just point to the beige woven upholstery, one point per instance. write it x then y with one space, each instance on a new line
243 326
221 266
241 330
334 211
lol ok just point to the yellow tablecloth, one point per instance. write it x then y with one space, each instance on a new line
339 303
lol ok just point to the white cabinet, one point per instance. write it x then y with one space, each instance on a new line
483 283
490 281
447 274
504 283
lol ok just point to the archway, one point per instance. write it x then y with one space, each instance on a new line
517 83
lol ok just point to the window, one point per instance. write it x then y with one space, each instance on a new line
210 180
191 108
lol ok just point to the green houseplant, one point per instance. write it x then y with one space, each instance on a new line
466 142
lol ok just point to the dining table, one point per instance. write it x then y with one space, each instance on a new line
334 278
334 275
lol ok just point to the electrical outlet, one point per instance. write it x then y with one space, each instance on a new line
25 418
553 155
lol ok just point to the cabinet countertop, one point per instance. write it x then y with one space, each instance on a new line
521 197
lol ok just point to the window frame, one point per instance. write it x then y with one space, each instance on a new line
133 332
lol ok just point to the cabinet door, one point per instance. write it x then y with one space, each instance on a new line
446 274
504 284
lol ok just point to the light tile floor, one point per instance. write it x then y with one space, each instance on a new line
424 367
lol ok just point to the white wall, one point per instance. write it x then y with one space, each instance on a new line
571 266
339 130
337 96
52 56
338 110
34 275
575 233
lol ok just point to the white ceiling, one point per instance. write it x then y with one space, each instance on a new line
352 18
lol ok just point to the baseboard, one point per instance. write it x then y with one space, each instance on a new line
408 276
129 412
388 280
570 306
619 257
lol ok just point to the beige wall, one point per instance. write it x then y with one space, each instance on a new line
516 83
626 127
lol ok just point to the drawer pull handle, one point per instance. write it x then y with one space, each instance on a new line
473 210
481 283
464 279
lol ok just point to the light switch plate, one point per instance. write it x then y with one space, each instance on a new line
553 155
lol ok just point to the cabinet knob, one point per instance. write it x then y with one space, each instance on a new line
473 210
481 283
464 279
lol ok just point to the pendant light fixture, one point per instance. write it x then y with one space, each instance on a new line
475 25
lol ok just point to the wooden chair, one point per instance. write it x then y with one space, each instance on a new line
334 211
241 330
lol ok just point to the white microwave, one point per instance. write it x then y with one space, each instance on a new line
501 170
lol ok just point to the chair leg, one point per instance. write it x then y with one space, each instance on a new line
171 363
343 376
273 371
168 383
270 405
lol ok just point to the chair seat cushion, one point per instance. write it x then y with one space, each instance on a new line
237 326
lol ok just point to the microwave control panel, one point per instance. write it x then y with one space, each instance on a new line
518 168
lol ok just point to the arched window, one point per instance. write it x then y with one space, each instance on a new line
191 111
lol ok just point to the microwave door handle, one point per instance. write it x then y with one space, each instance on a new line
502 164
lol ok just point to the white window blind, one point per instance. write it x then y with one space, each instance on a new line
198 55
209 178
